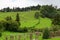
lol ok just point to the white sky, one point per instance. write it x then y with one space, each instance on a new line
25 3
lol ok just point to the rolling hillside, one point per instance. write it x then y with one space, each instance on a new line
27 19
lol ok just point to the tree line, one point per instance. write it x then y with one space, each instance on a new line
16 9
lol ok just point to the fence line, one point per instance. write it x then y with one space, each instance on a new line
23 37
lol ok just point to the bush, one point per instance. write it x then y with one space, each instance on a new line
8 18
11 25
1 28
56 20
0 34
46 34
37 15
25 29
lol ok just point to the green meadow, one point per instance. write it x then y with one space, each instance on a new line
27 20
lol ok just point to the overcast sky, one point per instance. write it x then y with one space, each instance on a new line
25 3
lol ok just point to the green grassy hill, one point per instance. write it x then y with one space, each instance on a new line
27 19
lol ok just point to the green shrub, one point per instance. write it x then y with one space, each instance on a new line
37 15
46 34
11 25
1 28
25 29
0 34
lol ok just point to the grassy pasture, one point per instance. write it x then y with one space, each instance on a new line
27 20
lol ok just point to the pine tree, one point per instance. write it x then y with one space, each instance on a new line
18 18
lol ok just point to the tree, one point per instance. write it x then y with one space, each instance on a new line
13 9
48 11
18 18
11 26
4 9
38 7
46 34
7 9
37 15
55 28
17 9
56 20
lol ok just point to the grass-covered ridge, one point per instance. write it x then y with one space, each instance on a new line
27 19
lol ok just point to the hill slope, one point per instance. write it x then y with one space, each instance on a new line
27 19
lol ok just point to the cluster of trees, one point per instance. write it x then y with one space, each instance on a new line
9 24
16 9
46 11
12 25
50 12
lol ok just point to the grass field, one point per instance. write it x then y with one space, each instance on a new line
27 20
23 35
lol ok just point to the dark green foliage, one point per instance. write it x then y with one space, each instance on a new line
0 34
37 15
56 20
6 9
46 34
11 25
1 28
48 11
25 29
2 25
8 18
18 18
17 9
55 28
38 7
